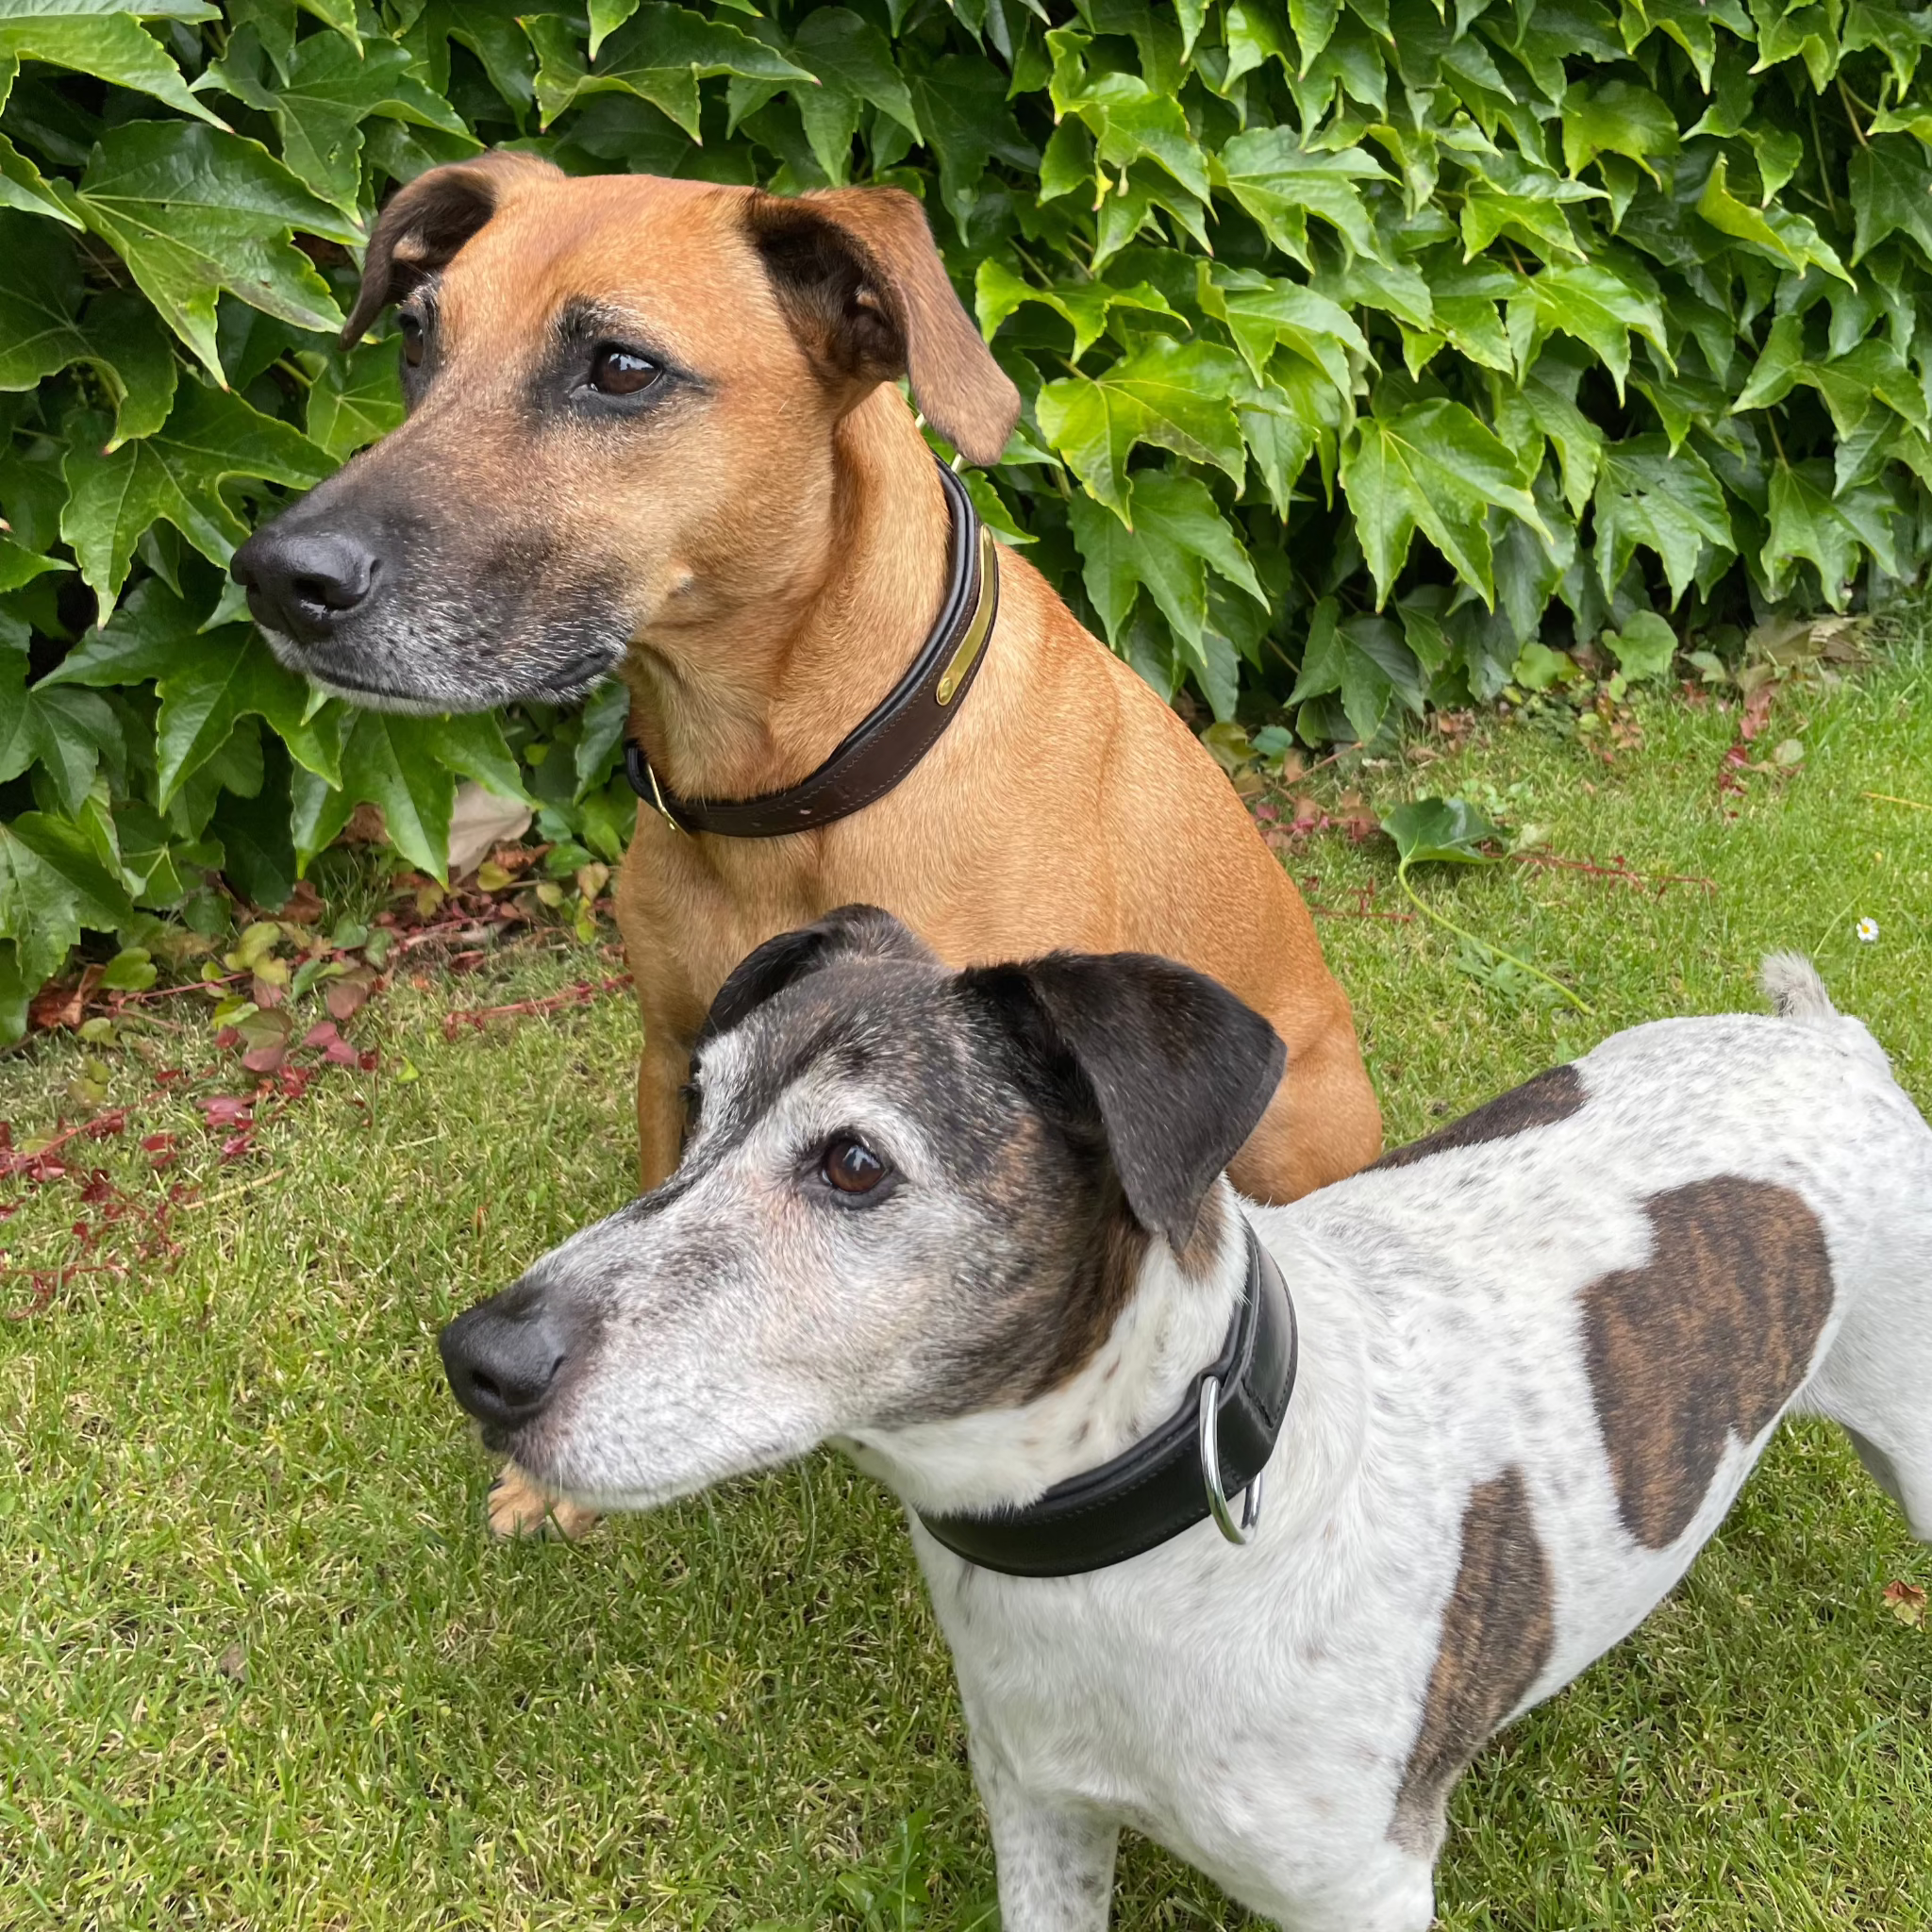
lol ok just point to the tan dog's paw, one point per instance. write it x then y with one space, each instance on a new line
519 1507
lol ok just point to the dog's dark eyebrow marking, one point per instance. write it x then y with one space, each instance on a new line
1539 1103
1498 1631
582 320
1705 1342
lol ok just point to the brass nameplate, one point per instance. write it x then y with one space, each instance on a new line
975 640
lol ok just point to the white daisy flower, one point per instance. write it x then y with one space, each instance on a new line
1868 930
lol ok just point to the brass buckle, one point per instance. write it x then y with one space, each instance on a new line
635 760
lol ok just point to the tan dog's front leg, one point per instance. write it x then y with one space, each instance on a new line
517 1505
661 1111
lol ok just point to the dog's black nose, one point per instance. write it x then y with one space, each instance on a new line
502 1357
304 583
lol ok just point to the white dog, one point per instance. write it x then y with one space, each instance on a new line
970 1225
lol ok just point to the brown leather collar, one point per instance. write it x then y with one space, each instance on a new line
899 731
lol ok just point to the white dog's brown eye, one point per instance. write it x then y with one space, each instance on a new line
616 372
851 1166
412 326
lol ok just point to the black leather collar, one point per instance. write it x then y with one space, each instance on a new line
1150 1494
901 728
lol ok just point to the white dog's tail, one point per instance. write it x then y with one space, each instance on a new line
1791 984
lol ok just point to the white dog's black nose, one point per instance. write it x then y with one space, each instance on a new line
503 1357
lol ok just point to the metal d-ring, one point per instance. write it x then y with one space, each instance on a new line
1210 1471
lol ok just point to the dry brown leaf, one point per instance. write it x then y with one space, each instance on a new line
1907 1602
478 821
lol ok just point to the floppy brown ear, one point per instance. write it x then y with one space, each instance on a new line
862 284
424 223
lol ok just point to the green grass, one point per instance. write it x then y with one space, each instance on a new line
714 1716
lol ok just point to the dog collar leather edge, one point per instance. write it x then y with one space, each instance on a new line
1215 1446
899 730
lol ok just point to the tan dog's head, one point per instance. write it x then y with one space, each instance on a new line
623 398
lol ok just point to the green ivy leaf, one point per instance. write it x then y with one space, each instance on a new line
659 55
1281 185
1262 312
1595 306
145 638
330 88
1175 394
194 211
1444 831
1616 117
39 302
607 716
1810 522
1891 194
178 473
1644 648
1435 467
23 185
1365 660
42 331
356 398
257 852
1530 203
1178 535
472 744
63 731
1085 307
1786 237
1668 503
205 693
1399 290
848 54
390 763
51 888
961 104
111 47
1691 24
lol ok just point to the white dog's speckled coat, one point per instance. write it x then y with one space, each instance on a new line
1539 1354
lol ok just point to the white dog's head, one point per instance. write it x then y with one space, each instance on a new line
910 1195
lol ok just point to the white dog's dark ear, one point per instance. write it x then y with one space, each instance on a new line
851 932
423 224
1180 1070
863 287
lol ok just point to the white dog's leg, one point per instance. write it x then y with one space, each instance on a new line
1388 1889
1055 1864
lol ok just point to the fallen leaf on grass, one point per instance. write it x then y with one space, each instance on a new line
304 907
1757 712
345 995
1907 1602
63 1005
266 1040
335 1049
227 1110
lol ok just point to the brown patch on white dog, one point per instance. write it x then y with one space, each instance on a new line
1705 1342
1539 1103
1497 1635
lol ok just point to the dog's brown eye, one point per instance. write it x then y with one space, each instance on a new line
622 371
852 1167
412 326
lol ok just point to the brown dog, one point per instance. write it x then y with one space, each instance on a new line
655 429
